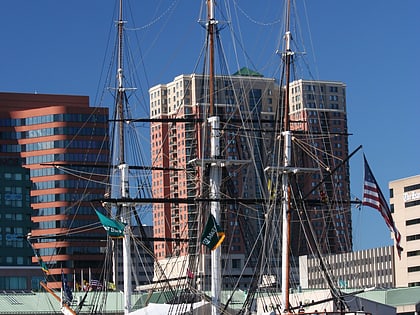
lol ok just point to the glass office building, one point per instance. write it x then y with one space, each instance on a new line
63 143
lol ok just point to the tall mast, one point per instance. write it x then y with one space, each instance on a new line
215 166
123 167
287 150
120 78
211 25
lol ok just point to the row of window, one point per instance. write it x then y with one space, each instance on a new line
15 176
412 222
19 282
44 132
70 251
68 157
11 241
53 118
65 210
46 145
68 183
13 237
68 224
413 237
65 197
413 253
411 187
69 144
313 88
413 269
412 203
50 171
10 148
11 217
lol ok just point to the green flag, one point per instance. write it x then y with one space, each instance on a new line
212 235
112 227
43 265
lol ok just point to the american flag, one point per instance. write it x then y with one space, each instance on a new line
373 197
67 295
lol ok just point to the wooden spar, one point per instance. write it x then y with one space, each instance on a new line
210 29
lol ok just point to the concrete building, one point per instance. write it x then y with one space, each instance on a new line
59 138
360 269
405 205
378 267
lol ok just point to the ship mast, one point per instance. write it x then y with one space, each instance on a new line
287 150
123 166
215 166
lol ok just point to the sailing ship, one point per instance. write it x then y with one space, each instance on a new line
279 166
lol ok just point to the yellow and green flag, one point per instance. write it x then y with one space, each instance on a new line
212 235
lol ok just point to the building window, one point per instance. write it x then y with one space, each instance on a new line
412 187
236 263
14 283
414 284
413 237
413 269
413 253
412 204
412 222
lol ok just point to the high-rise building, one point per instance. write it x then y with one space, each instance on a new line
243 101
318 118
63 143
405 205
17 272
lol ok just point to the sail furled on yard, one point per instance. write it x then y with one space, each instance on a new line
373 197
213 235
113 228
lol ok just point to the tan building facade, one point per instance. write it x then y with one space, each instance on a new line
360 269
405 204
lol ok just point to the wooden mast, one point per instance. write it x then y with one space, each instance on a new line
215 177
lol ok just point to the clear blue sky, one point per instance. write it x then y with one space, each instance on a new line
58 47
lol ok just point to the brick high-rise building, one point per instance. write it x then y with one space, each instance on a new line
318 118
243 101
61 140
